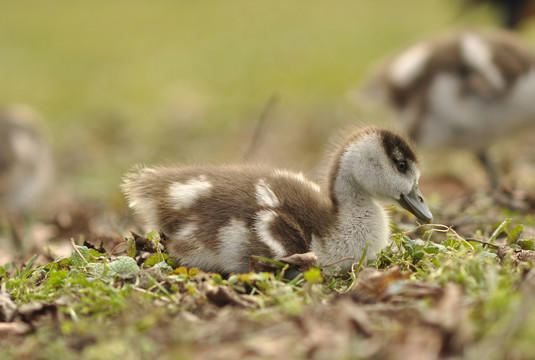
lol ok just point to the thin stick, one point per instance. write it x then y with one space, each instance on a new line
75 247
260 127
124 243
483 242
441 229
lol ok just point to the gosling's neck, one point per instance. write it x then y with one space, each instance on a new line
344 190
361 224
354 206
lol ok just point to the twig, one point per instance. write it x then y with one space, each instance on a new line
483 242
157 284
143 291
116 246
260 127
442 229
75 247
353 278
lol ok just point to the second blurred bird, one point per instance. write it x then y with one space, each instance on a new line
26 166
465 89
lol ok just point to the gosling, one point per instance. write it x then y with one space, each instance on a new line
216 218
466 89
26 166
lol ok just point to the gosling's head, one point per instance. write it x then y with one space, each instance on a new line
382 164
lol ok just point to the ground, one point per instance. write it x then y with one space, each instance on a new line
119 84
459 291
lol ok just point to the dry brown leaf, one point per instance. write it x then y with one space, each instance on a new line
450 317
349 313
437 333
405 290
326 331
447 314
297 262
303 262
222 296
419 343
387 315
371 284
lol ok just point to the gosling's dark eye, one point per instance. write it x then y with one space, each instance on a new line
402 166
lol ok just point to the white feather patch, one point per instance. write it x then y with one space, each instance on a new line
146 208
183 196
197 255
264 195
299 177
407 66
263 221
187 232
234 239
478 54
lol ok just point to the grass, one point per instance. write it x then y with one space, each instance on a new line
100 306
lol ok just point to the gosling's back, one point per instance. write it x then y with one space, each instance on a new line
217 217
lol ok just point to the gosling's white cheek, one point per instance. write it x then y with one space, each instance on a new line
407 184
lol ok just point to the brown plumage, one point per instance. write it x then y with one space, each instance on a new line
25 161
465 89
215 218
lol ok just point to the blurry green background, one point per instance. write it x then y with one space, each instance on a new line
126 82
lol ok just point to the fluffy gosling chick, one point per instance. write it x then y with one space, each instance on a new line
215 218
466 90
25 161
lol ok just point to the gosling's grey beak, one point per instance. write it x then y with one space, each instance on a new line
415 203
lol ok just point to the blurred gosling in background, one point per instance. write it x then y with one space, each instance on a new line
26 165
466 89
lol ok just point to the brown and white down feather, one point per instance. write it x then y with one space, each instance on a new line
215 217
464 89
26 166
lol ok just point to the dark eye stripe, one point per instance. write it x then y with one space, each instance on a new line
393 144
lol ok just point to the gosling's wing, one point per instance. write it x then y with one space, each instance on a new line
216 218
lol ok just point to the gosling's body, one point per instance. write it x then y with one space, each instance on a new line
25 162
463 90
215 218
